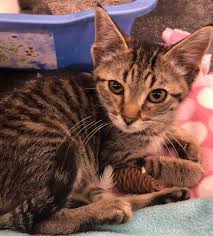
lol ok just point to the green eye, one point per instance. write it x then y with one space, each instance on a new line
116 87
157 95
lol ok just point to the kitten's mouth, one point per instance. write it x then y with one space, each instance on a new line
126 126
136 127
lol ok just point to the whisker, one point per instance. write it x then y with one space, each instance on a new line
74 128
93 123
167 148
169 133
73 138
182 147
172 146
159 148
93 133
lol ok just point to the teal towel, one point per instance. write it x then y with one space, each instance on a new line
189 218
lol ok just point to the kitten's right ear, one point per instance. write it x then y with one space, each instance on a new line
108 38
193 47
187 54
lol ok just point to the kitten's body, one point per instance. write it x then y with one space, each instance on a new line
58 133
44 164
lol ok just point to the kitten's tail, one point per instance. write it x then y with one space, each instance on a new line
49 199
25 215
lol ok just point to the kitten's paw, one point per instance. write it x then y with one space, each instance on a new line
174 194
115 211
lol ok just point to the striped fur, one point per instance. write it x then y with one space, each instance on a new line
59 132
38 127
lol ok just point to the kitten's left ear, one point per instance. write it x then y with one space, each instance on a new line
188 53
108 38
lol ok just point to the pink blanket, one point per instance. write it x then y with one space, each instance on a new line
196 114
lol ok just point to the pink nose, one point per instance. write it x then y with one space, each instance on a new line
130 112
128 120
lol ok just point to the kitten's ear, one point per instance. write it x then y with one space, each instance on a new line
186 55
192 48
108 38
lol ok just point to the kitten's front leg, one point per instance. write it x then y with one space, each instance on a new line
167 195
106 208
184 143
68 221
174 172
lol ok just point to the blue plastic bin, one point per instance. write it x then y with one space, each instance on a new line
57 42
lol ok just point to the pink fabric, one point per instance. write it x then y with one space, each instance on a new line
196 114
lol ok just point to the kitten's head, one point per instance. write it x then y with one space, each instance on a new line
142 87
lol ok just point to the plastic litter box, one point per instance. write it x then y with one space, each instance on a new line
55 42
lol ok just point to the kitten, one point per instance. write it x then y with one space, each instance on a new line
59 132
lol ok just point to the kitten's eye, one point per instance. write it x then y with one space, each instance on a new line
116 87
157 95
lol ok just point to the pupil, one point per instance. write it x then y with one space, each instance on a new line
116 86
157 95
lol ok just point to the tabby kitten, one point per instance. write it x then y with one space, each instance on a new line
59 132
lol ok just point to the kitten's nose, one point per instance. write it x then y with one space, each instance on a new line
130 112
128 120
